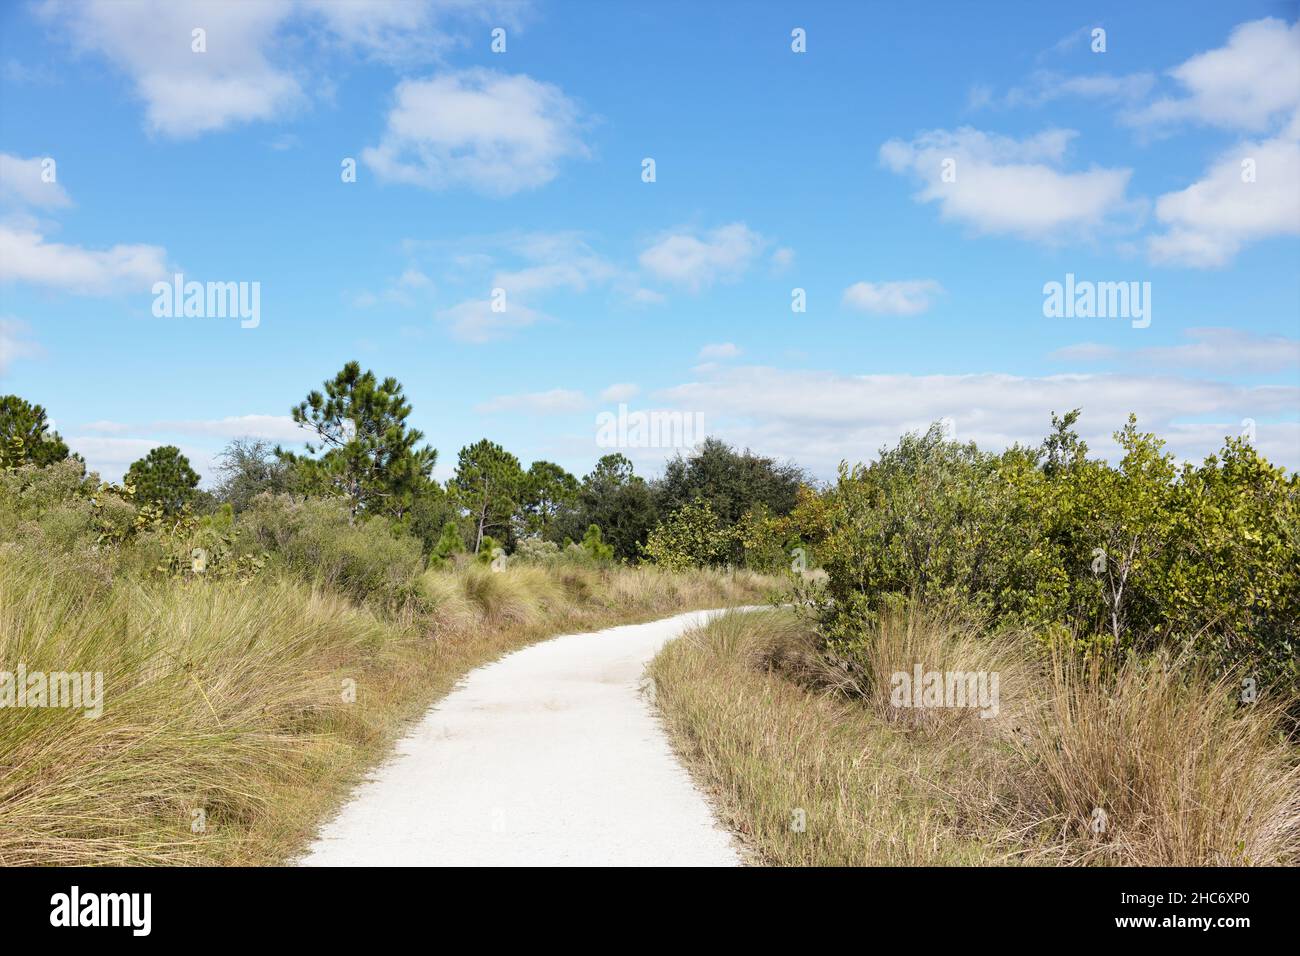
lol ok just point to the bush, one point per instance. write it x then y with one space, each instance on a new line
536 550
316 541
691 537
1139 556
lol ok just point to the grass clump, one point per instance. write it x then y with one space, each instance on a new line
1090 759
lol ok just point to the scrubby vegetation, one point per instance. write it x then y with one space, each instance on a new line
263 641
261 645
1140 620
1088 760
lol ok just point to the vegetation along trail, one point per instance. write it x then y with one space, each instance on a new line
551 755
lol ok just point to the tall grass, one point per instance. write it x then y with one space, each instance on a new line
1157 762
805 777
1137 762
236 716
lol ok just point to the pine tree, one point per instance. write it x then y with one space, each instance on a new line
27 436
163 477
366 450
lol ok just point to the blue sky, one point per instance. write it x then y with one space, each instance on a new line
775 170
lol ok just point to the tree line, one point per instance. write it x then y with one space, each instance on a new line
1135 555
363 452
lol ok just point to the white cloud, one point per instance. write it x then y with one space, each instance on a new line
782 258
401 291
25 256
270 427
474 321
906 297
1207 223
619 392
720 350
1247 84
495 133
1219 349
188 93
554 402
527 266
693 261
111 456
21 181
1046 86
1008 186
15 343
642 296
575 274
820 418
256 66
414 279
404 31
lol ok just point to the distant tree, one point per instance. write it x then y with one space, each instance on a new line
619 502
368 453
163 477
26 435
731 482
432 510
246 468
488 483
548 493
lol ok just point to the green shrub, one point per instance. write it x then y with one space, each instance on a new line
1138 556
691 537
315 540
537 550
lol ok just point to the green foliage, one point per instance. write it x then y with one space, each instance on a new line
732 483
594 547
1136 556
26 435
163 477
765 542
367 451
488 483
317 540
620 502
490 550
691 537
548 494
751 497
450 542
537 550
58 510
432 509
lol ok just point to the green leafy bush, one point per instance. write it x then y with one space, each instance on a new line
691 537
314 539
1141 555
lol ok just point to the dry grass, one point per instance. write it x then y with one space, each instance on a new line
767 747
1157 763
1184 774
232 700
